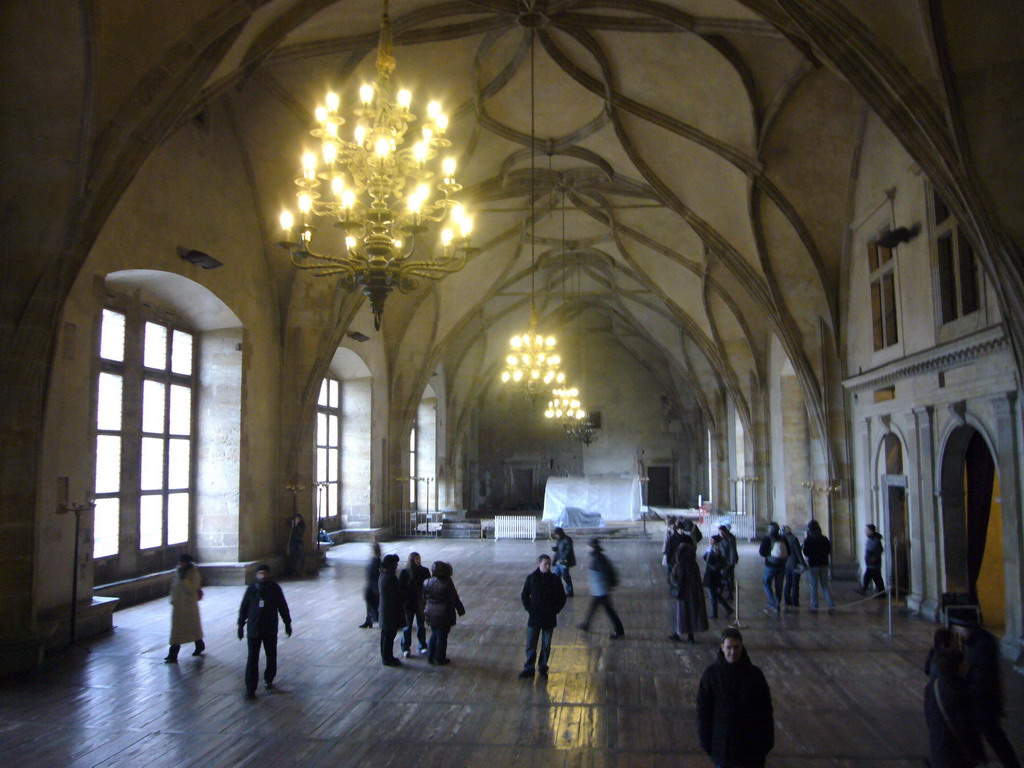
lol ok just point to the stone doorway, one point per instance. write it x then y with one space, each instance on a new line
972 520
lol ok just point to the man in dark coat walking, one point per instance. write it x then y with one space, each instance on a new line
543 597
564 559
257 619
603 579
735 721
981 652
392 609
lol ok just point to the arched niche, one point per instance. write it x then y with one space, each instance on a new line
972 522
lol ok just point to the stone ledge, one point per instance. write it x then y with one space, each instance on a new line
92 618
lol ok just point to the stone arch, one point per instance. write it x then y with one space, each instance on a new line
892 505
971 518
217 408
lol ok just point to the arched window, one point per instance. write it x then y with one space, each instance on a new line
143 484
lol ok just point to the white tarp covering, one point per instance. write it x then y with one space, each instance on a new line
613 498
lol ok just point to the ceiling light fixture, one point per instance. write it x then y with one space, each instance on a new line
533 364
380 193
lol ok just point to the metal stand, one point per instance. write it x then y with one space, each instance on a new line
736 623
321 486
78 509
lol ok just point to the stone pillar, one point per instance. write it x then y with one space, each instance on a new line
926 548
796 456
218 444
1008 447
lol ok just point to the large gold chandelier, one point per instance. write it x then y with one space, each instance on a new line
380 192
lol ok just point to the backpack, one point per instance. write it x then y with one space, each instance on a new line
612 575
779 550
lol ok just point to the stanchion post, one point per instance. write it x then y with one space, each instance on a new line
736 624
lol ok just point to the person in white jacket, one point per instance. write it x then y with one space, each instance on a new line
186 592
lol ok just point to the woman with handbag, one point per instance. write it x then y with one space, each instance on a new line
186 592
953 736
690 614
442 605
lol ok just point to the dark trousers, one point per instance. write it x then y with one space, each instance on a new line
172 653
791 587
387 644
715 599
562 571
421 629
533 634
296 556
873 575
437 648
772 583
992 731
252 665
372 600
606 601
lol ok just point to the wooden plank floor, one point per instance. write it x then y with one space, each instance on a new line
846 695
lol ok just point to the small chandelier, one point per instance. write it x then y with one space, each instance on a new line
583 431
380 193
565 408
533 362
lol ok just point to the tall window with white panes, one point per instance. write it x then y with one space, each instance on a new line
328 453
144 431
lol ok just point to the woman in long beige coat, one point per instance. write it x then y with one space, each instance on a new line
186 592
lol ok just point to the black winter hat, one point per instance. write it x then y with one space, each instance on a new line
389 562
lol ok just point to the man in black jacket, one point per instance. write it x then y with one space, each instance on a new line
543 597
257 617
735 721
564 559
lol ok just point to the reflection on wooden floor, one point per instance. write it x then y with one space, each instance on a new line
845 694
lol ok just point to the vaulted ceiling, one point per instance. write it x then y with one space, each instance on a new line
698 155
697 158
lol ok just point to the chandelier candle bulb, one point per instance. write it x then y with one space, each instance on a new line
404 99
333 102
366 94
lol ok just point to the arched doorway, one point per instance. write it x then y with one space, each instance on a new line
972 520
893 487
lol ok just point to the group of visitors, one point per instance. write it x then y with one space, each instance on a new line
786 559
685 582
735 721
396 601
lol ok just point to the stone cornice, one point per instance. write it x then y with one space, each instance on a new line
942 357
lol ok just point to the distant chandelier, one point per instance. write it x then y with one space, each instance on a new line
565 408
380 193
583 431
533 362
